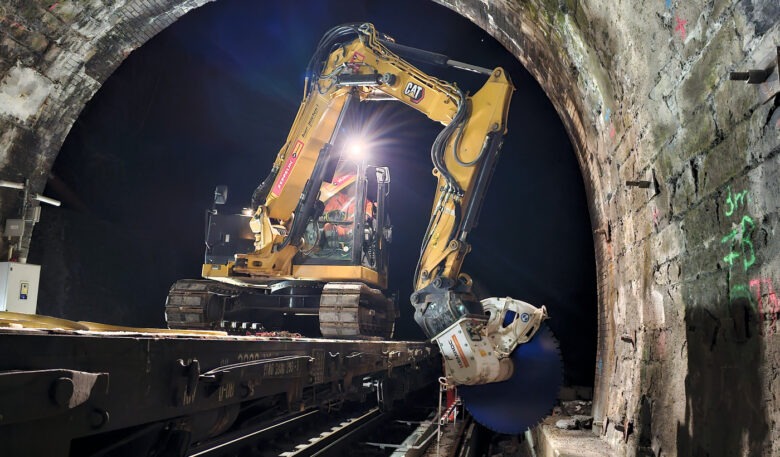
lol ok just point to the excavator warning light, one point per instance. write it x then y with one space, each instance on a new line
357 148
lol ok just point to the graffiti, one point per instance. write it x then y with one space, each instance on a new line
735 200
655 213
768 305
740 234
608 122
739 238
741 253
740 291
13 24
668 4
760 292
680 27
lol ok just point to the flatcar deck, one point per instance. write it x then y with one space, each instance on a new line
80 392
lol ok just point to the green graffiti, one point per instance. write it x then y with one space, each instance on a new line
741 291
735 200
741 234
730 258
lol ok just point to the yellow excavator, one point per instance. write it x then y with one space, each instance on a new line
316 239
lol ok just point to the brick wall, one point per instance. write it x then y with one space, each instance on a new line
680 164
54 55
682 171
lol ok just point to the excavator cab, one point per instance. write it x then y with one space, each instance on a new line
337 274
344 234
352 229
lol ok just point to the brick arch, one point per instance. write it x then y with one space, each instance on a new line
664 141
60 53
56 56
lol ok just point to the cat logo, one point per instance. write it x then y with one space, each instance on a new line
415 92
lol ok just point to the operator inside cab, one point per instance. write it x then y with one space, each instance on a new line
337 224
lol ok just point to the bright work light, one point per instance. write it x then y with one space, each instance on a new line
356 149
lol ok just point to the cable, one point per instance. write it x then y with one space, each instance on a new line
456 148
330 40
440 143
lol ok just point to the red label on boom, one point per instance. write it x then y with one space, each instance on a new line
356 61
287 168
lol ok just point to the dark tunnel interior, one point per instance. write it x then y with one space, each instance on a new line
210 100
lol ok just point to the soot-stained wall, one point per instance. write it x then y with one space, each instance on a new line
680 164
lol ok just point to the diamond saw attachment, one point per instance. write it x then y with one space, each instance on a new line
529 395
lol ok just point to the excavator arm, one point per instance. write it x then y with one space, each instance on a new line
353 63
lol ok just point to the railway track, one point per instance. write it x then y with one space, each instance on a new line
306 434
350 431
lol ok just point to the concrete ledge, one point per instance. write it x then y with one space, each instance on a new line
550 441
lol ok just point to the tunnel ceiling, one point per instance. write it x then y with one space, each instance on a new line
680 163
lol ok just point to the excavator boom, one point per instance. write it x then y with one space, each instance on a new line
353 64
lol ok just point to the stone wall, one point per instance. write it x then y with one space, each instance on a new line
54 55
683 174
680 163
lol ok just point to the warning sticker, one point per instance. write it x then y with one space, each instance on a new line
460 357
287 168
342 179
356 61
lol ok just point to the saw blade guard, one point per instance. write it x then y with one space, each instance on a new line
511 322
523 400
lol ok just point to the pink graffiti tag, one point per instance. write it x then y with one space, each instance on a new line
655 213
680 27
770 306
611 131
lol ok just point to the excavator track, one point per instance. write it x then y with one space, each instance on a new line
197 304
346 310
355 311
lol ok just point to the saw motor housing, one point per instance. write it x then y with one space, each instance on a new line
476 349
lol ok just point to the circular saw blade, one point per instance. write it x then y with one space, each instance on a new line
521 401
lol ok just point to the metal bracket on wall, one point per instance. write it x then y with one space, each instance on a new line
30 214
756 76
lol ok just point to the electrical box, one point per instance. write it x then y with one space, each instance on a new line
14 227
19 287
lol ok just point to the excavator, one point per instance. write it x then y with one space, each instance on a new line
316 238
